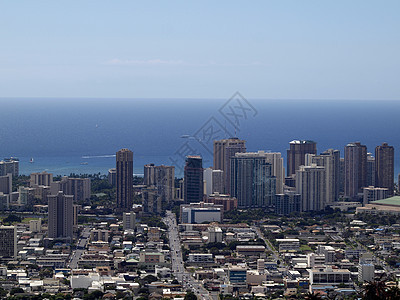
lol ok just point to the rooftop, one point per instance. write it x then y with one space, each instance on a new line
389 201
302 142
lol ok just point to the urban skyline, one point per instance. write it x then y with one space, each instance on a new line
199 150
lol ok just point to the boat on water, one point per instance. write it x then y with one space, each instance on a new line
84 163
31 160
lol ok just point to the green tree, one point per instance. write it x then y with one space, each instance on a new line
93 295
16 290
12 218
190 296
149 279
3 293
45 273
378 290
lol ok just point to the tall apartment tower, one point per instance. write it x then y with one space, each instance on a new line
61 218
278 170
8 241
355 173
9 165
124 180
311 185
6 184
163 178
193 181
129 220
224 150
252 182
288 203
341 176
217 181
296 154
207 179
112 176
370 170
42 178
384 166
330 159
80 188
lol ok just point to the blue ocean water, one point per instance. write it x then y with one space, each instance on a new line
66 136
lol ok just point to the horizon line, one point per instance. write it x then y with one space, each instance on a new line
183 98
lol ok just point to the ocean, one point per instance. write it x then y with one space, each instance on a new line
66 136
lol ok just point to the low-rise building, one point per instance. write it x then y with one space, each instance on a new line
288 244
329 275
251 250
200 258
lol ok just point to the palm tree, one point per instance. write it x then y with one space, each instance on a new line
376 290
393 293
312 296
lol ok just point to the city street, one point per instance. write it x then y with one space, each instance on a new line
274 253
80 248
179 271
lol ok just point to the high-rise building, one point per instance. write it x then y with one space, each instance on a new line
287 203
41 192
370 170
398 183
217 181
99 235
252 182
75 213
207 179
355 164
278 170
4 201
180 190
384 166
341 176
213 181
224 150
26 195
366 268
311 185
42 178
163 178
112 176
6 184
8 241
374 194
35 225
297 152
9 165
330 160
124 166
80 188
228 202
60 216
193 182
151 200
129 220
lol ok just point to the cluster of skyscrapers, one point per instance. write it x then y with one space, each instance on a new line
257 179
237 179
313 181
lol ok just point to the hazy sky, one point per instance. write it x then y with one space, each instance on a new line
204 49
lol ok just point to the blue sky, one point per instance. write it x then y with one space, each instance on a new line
205 49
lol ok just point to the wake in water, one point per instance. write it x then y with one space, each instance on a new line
99 156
